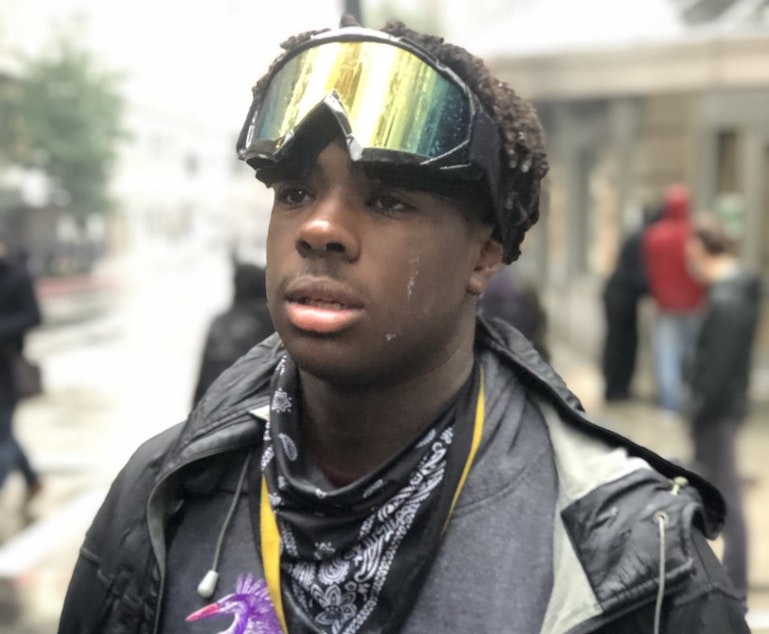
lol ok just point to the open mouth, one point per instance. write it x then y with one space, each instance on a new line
322 306
322 303
323 315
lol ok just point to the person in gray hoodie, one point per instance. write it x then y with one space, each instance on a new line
388 461
720 377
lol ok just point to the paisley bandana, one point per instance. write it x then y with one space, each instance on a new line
353 558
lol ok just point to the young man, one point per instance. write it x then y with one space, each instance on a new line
721 378
386 462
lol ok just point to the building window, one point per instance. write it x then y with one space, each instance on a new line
728 151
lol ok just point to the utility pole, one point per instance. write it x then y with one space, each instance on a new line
353 8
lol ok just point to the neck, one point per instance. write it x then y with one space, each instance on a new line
352 431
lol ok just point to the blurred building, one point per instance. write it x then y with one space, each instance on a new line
177 178
681 96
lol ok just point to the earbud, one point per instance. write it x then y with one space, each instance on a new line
207 586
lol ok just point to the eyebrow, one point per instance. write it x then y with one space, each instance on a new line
285 171
412 180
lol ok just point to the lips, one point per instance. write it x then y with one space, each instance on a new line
322 306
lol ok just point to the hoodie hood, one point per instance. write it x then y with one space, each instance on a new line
677 201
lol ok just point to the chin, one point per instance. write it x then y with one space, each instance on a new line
340 373
343 364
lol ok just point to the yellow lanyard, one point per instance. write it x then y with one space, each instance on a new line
268 525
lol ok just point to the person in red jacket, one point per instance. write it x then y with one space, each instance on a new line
677 294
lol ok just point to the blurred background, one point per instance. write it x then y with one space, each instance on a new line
120 187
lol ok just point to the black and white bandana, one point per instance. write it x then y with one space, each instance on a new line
353 558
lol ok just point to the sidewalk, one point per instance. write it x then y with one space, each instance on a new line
119 361
70 299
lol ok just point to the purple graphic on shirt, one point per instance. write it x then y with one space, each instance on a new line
250 606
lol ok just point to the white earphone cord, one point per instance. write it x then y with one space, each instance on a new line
207 585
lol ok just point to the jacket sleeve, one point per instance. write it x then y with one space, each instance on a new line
87 598
708 604
26 314
705 604
114 583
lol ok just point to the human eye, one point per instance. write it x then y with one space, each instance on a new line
290 194
389 202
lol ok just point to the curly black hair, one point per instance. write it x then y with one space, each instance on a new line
524 161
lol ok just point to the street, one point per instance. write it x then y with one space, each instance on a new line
112 379
126 370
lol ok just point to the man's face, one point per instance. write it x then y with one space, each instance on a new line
369 283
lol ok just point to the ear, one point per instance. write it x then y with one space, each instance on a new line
489 262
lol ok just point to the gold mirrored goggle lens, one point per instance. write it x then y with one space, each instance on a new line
393 99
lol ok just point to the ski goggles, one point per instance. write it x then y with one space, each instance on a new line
394 103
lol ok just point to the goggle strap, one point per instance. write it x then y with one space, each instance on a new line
485 149
240 145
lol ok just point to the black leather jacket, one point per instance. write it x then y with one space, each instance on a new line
117 585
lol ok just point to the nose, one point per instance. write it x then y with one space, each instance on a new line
331 228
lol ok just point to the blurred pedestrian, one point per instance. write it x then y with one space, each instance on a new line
238 329
621 295
721 377
677 295
518 303
19 312
390 462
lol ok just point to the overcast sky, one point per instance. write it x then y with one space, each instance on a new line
192 56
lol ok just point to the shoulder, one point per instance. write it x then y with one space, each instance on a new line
631 531
15 276
734 298
127 497
612 495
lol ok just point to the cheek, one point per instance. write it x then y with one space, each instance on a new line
412 274
426 285
277 235
416 279
403 296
